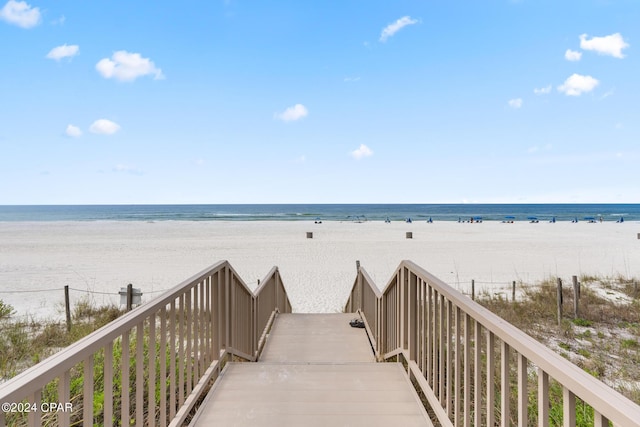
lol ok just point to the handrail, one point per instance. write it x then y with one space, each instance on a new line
180 339
468 358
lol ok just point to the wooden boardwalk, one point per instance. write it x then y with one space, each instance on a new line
315 371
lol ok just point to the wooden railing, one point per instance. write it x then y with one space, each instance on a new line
153 364
473 367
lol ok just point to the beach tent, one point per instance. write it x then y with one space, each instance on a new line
533 219
509 219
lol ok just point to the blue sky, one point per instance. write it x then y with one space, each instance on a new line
348 101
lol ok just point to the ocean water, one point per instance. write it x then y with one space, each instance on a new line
325 212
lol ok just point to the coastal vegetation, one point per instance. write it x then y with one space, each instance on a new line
603 340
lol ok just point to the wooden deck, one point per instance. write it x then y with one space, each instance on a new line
315 371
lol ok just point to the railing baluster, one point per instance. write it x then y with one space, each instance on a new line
202 315
152 371
124 371
568 408
491 413
435 351
108 386
543 398
449 358
196 336
64 391
429 335
181 354
599 420
477 373
207 323
457 364
441 348
523 392
87 392
140 374
163 367
172 367
34 418
466 398
188 357
505 383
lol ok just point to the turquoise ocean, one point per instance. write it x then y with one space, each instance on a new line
325 212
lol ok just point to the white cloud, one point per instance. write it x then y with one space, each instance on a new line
393 28
296 112
608 45
578 84
515 103
572 55
127 67
351 79
128 169
362 151
543 90
20 13
73 131
608 93
104 127
63 51
300 159
59 21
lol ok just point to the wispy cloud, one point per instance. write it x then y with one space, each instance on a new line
537 148
104 127
515 103
73 131
611 45
132 170
300 159
361 152
578 84
572 55
126 67
294 113
351 79
64 51
543 90
20 13
608 93
394 27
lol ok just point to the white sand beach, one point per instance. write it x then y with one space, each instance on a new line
318 273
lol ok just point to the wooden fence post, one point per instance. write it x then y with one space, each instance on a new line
559 301
129 296
473 289
513 291
576 296
67 307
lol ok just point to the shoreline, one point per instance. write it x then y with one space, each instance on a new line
103 256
